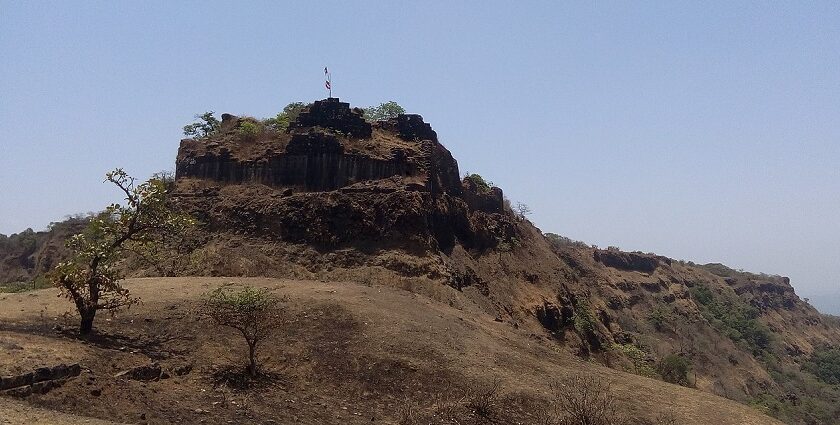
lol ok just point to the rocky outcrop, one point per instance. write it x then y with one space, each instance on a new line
328 147
335 179
631 261
40 380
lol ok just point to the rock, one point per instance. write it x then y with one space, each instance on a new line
627 260
150 372
9 382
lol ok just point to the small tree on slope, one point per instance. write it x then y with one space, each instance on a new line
255 313
90 278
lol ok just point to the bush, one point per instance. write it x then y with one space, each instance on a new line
483 398
639 358
659 316
249 130
287 116
825 364
674 368
480 184
582 400
733 317
384 111
255 313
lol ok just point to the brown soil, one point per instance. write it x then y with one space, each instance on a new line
350 354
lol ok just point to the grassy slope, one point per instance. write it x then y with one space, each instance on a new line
351 354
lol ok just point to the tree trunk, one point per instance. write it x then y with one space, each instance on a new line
86 326
252 352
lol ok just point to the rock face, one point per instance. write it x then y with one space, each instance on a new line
334 178
629 260
328 147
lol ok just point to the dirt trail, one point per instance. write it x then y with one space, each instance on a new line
349 355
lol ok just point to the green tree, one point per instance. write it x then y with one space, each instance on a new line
255 313
90 277
287 116
384 111
674 368
206 125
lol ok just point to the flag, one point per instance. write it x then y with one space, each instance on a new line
327 83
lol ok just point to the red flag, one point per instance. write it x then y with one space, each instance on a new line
327 84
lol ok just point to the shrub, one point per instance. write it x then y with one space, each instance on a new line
638 356
287 116
255 313
659 316
825 364
674 368
733 317
480 184
249 130
483 398
582 400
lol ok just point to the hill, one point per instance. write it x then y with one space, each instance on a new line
336 198
352 354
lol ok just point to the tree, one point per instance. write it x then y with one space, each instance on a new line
384 111
283 119
90 277
674 368
522 210
206 125
255 313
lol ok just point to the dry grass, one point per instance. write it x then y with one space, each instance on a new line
353 354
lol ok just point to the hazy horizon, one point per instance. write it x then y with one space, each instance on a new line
704 132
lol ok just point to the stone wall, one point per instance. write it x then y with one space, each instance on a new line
334 114
40 380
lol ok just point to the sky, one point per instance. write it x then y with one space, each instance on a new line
705 131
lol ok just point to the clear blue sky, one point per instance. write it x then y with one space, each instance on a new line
707 131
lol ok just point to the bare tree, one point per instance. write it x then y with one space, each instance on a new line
255 313
522 210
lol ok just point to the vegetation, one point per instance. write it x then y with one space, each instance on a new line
559 241
90 277
255 313
674 368
249 130
659 316
206 125
581 400
825 364
638 356
480 184
287 116
522 210
733 317
384 111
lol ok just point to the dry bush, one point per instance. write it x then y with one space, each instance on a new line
581 400
587 400
483 398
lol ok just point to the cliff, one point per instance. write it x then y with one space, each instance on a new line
334 179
